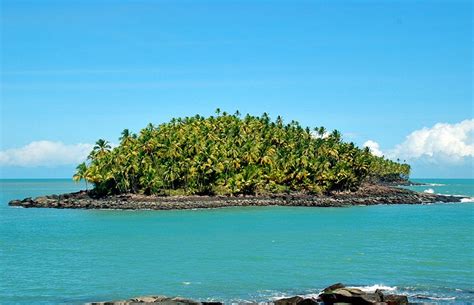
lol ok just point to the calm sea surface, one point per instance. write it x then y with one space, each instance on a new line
74 256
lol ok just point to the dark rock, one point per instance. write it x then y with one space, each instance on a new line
334 294
338 293
179 301
296 300
365 195
121 302
377 296
42 201
394 299
15 203
350 295
27 202
162 300
334 287
149 299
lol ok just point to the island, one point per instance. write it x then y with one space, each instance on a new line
229 160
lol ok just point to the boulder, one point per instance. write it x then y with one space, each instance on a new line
377 296
334 287
395 299
148 299
179 301
41 200
350 295
27 202
338 293
296 300
162 300
121 302
15 203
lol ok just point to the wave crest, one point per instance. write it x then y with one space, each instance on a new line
372 288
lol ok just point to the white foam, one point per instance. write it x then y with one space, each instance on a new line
435 184
463 199
186 283
443 299
375 287
310 295
429 191
434 298
278 297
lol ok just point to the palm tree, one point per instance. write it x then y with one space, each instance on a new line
125 135
322 131
102 146
336 135
230 155
81 173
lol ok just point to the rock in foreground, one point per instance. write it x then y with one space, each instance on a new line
340 294
163 300
333 294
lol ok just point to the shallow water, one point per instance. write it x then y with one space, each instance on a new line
252 253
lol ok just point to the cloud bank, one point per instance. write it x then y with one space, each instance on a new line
442 143
45 153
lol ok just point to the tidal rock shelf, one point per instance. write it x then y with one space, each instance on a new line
370 194
334 294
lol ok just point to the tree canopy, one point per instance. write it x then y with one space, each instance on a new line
229 155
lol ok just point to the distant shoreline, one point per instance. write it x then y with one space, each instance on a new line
368 194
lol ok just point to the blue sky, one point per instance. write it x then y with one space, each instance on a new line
76 71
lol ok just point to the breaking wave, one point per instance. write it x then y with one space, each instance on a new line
429 191
375 287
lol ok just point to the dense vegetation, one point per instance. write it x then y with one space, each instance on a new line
227 154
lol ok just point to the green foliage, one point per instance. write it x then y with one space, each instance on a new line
81 173
229 155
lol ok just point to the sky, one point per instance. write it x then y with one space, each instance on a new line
392 75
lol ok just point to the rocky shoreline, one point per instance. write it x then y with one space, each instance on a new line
370 194
334 294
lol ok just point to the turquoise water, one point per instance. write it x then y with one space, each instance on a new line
74 256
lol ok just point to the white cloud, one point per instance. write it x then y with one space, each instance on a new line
45 153
443 142
374 148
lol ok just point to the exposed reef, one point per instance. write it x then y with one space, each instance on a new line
369 194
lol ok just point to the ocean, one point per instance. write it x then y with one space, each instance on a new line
50 256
